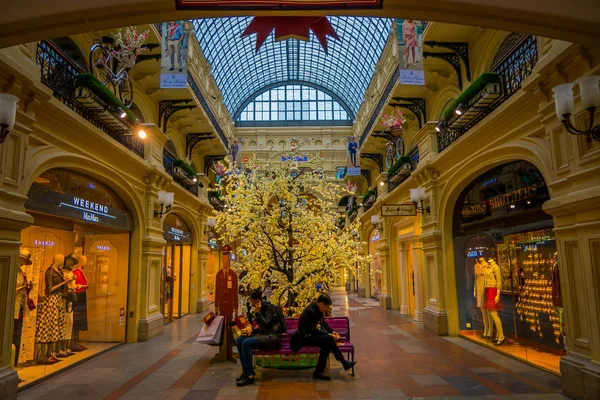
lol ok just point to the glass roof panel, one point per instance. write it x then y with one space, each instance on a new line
241 72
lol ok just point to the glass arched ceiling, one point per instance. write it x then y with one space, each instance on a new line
241 72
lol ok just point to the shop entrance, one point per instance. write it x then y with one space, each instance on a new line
176 271
506 269
410 279
76 267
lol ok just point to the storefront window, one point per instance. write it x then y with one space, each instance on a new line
75 268
213 264
176 270
375 267
506 269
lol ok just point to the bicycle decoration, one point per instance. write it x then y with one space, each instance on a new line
394 122
124 48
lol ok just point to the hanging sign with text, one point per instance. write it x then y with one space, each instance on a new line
398 210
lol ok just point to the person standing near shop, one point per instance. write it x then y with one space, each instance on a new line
24 286
266 336
314 331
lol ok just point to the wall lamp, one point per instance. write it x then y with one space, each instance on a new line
417 196
8 114
210 224
589 92
460 109
165 199
376 223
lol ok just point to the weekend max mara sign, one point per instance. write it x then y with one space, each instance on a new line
48 201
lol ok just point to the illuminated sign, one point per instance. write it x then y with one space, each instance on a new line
103 248
177 235
475 253
490 182
524 193
43 243
277 5
297 158
395 210
45 200
375 237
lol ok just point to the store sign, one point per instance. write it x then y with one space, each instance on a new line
177 235
44 243
296 158
48 201
398 210
524 193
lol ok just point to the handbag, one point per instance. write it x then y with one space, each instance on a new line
237 332
212 334
30 304
209 318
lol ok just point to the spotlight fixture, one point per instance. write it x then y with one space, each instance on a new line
195 180
418 196
376 223
8 114
165 200
440 126
512 206
142 133
528 202
460 109
122 113
381 183
589 93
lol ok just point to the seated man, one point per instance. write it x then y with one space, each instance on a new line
265 337
309 334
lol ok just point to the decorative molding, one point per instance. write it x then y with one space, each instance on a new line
417 105
378 158
192 139
166 108
451 58
367 174
460 48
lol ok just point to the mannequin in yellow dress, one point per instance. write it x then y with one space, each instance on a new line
493 286
478 293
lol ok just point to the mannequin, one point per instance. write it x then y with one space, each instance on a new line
80 322
478 293
50 323
21 309
493 286
67 271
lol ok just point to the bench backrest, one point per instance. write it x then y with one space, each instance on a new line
339 324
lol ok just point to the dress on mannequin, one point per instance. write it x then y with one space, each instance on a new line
478 293
80 321
50 323
68 276
492 303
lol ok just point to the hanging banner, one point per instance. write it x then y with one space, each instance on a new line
352 157
174 50
410 45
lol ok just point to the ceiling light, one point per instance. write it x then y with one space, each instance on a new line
460 109
122 113
142 133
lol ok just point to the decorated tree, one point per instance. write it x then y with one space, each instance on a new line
283 222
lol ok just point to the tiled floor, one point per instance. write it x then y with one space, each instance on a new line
397 359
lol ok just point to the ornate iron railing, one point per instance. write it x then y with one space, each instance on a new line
58 73
400 175
513 67
168 163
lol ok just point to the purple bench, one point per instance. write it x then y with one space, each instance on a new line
340 325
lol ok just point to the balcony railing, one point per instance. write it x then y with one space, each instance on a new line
58 73
168 163
401 174
514 65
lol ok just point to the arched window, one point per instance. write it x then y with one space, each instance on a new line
294 103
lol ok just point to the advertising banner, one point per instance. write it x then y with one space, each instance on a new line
174 54
410 45
352 157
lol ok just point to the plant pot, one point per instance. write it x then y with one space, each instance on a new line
396 131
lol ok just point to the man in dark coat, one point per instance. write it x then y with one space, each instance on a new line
266 336
314 331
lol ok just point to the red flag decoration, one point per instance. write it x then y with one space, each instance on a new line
290 27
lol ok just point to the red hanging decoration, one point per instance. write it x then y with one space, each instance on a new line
290 27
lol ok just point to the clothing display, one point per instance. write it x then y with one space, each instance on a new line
50 324
479 284
490 299
80 320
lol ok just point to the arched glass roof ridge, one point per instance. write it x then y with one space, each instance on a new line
345 71
275 85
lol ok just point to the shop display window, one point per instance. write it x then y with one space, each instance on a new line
213 264
75 298
375 266
506 267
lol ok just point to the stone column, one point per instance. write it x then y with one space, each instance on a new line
202 304
417 249
403 272
13 218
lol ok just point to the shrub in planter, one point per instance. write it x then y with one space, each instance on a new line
105 94
185 167
398 164
370 193
467 95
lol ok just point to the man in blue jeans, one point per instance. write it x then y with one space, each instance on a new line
266 336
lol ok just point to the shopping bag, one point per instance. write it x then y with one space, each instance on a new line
237 332
241 322
212 334
209 318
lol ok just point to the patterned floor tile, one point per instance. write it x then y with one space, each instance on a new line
429 380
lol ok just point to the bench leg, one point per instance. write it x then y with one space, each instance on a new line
352 374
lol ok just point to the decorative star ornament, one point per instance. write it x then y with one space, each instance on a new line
290 27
